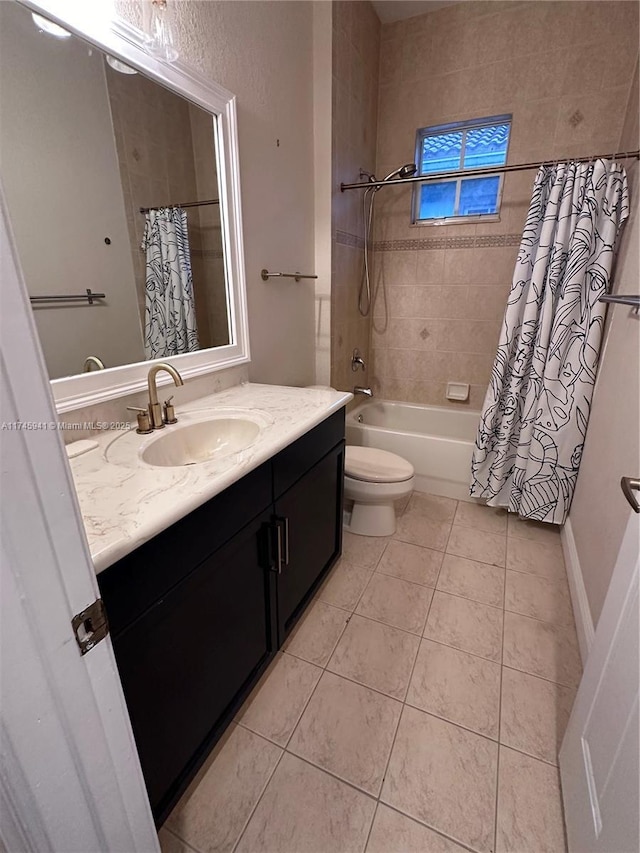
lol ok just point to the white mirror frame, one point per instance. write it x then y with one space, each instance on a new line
120 39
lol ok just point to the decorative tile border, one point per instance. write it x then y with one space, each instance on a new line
216 254
423 244
491 240
346 239
485 242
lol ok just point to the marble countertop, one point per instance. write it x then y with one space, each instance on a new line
126 503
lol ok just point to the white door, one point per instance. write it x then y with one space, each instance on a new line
600 754
70 778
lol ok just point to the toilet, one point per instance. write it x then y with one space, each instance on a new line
373 480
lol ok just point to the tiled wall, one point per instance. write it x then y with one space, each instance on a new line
356 42
563 69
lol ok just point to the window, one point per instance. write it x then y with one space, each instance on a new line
461 148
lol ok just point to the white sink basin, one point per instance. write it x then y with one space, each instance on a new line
194 443
198 437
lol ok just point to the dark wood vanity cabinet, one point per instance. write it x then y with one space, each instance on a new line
310 528
183 661
197 613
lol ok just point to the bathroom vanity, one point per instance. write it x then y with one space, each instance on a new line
197 611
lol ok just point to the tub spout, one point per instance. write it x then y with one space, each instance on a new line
366 392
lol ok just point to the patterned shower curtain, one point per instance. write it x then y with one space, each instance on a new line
536 410
170 313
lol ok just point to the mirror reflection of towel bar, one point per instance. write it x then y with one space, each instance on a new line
89 295
266 275
622 299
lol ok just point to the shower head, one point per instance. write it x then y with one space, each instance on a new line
406 171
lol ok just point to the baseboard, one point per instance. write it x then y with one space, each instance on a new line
579 600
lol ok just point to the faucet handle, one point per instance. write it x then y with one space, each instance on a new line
357 361
144 420
168 412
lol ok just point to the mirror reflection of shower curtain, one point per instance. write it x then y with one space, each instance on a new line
170 313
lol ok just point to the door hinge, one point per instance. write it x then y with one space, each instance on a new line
90 626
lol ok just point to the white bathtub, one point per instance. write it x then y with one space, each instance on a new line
437 441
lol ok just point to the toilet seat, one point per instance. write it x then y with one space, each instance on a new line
370 465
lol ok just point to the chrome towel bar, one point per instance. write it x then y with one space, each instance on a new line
628 486
266 275
90 296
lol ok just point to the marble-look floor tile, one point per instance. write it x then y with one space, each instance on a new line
433 507
457 686
541 648
396 602
542 598
401 504
344 585
276 704
393 832
477 545
445 776
470 579
534 714
489 518
466 625
304 810
213 817
411 563
348 730
529 806
535 558
535 531
364 551
415 528
170 843
315 637
376 655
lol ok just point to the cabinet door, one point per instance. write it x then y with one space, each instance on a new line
310 519
191 658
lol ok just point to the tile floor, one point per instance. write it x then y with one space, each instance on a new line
418 706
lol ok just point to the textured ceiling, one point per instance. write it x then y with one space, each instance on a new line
398 10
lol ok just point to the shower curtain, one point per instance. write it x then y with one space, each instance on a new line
170 313
536 410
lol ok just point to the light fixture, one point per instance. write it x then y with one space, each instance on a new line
160 40
118 65
47 26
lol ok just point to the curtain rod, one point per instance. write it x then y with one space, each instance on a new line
184 204
519 167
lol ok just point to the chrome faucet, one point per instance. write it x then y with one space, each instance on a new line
366 392
155 412
92 360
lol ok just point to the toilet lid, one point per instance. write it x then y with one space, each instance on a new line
376 466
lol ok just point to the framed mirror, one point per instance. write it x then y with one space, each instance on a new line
120 175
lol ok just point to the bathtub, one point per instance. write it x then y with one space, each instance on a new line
437 441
